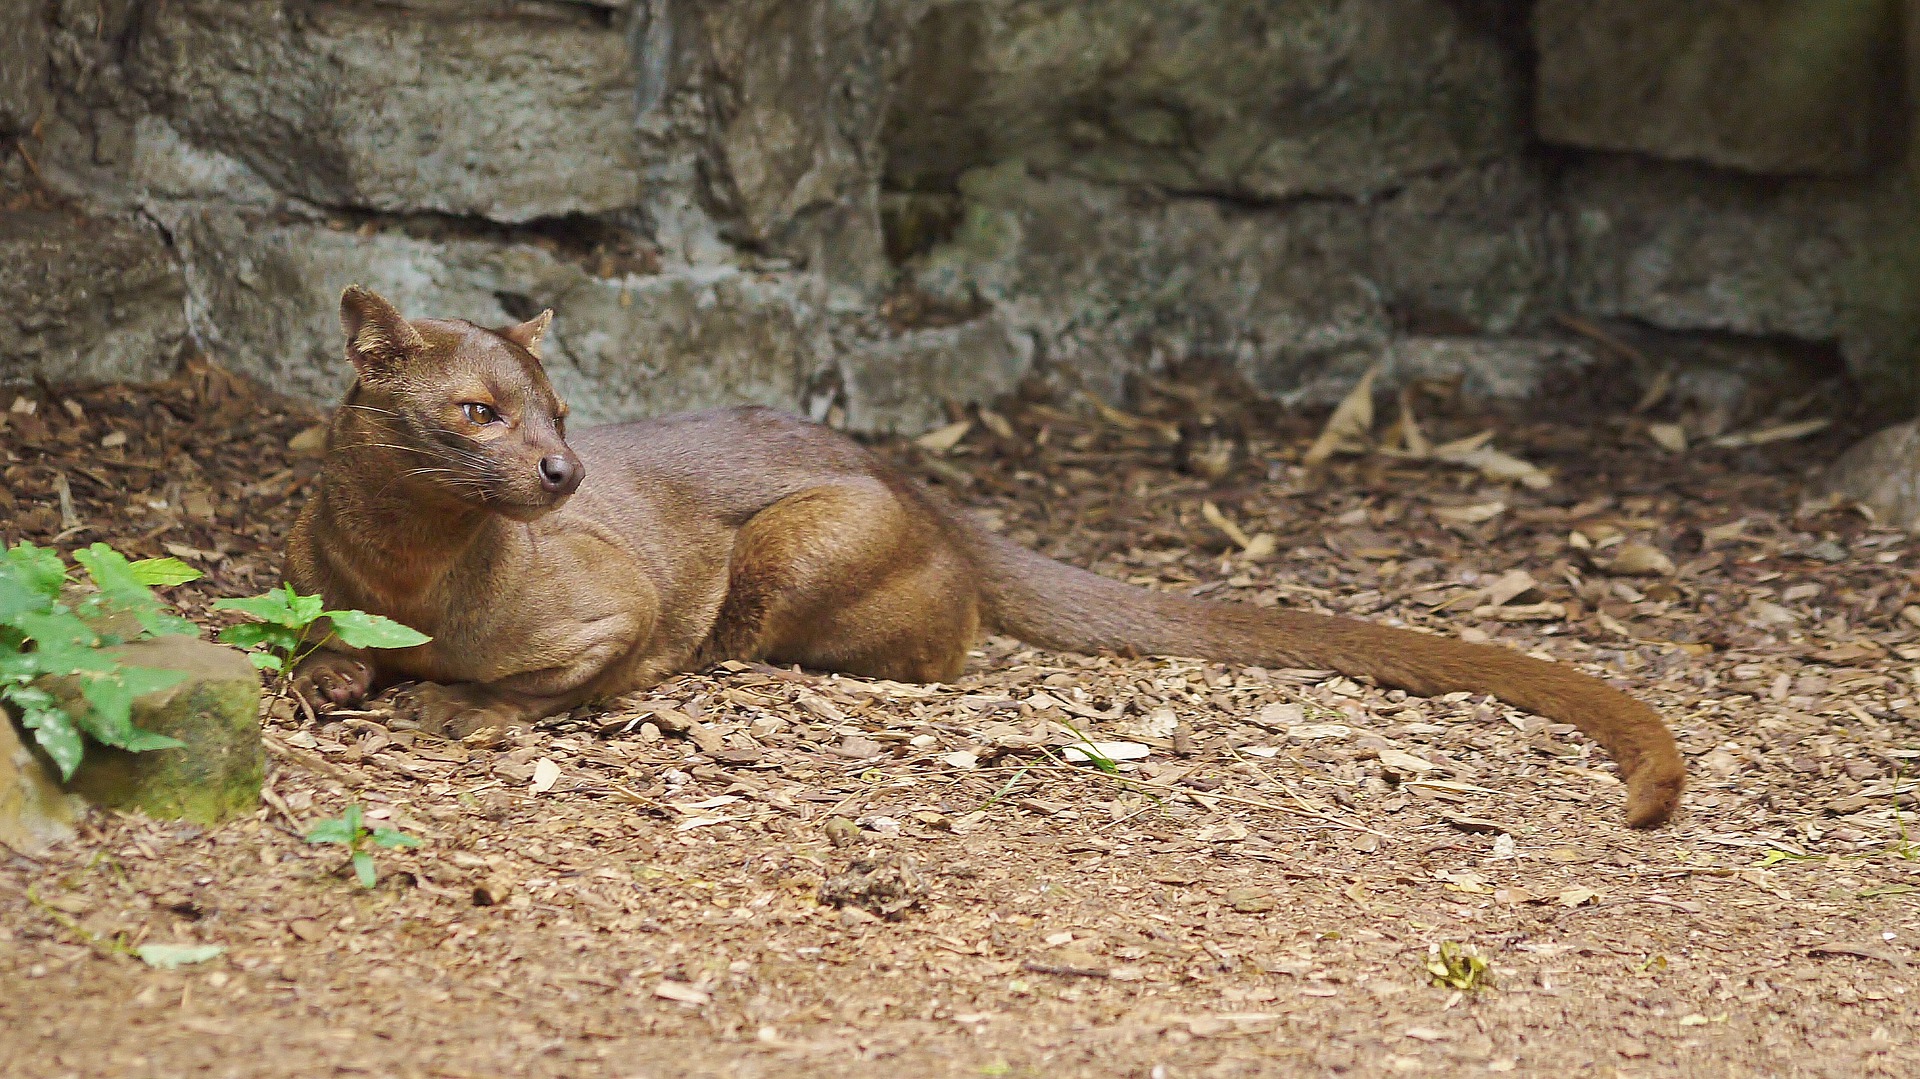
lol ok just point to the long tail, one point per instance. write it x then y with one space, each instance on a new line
1055 605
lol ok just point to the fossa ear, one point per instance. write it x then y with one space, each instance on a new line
528 334
380 342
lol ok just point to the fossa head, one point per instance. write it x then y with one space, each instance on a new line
467 409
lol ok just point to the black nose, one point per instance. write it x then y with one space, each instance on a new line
560 473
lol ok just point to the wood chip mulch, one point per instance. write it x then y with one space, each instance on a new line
638 889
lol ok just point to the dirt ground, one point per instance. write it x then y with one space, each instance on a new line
637 891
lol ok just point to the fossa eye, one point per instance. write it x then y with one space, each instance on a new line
478 414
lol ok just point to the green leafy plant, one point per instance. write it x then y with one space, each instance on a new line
53 631
350 831
1775 856
285 630
1455 966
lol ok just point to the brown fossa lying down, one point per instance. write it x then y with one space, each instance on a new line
552 571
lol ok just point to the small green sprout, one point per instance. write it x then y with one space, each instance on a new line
1455 966
350 831
285 630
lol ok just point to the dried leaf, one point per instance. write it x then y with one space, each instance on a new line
995 422
1225 524
1494 464
681 992
1399 760
1347 429
1668 436
943 439
1640 560
545 774
1778 433
174 956
1475 514
311 442
1509 586
1082 752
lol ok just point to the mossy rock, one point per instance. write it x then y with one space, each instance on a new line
215 711
34 812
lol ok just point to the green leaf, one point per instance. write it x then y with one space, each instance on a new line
363 868
56 627
55 732
354 818
330 831
266 661
172 956
141 681
271 607
304 608
393 837
18 596
362 630
143 741
38 568
163 572
110 720
250 634
110 571
161 624
112 697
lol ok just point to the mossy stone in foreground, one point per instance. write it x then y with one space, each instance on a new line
217 774
34 811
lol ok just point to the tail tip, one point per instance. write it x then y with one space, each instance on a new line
1653 796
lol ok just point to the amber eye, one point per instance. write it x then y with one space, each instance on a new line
478 414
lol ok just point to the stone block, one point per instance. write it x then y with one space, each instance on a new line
1681 251
1264 99
267 293
898 384
1114 282
1772 86
25 95
783 102
34 812
462 111
1882 472
217 774
1473 246
87 299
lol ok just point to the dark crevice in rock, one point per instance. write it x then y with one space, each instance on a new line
1743 378
605 245
602 14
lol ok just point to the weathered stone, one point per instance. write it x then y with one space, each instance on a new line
1782 86
1502 368
1818 261
87 299
266 299
1115 283
1297 299
25 95
1882 473
34 812
217 774
1473 247
510 118
789 96
1259 98
897 384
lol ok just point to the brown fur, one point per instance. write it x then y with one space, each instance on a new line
747 534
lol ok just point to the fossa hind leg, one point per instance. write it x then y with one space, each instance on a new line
848 577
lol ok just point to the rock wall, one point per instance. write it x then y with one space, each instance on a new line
864 209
